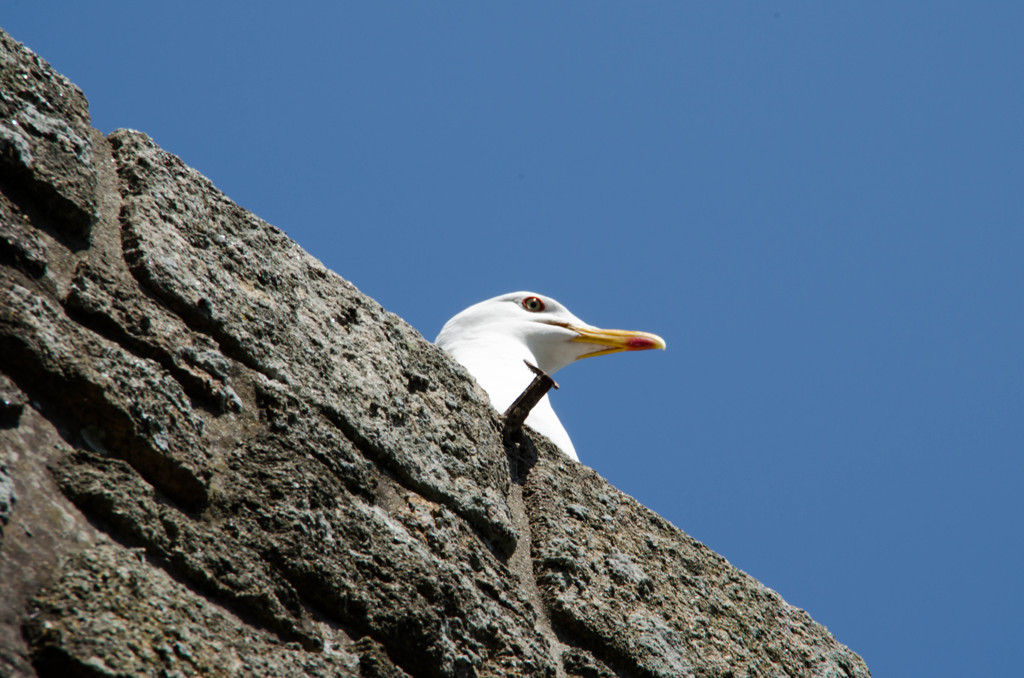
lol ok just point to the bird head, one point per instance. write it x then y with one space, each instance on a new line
551 333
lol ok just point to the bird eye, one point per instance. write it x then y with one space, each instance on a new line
533 304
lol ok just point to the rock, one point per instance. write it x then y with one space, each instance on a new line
285 316
12 403
217 456
162 628
658 602
7 498
45 140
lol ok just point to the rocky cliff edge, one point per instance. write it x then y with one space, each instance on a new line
217 457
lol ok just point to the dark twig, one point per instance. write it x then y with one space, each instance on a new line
517 412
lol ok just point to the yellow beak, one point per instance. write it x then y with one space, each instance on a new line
615 340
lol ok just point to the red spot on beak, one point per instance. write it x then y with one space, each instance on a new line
640 343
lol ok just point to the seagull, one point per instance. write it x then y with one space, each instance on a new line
491 339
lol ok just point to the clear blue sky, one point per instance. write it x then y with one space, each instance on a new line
819 205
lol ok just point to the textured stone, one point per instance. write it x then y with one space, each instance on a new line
12 403
218 457
7 497
149 624
46 140
283 314
43 526
618 577
116 401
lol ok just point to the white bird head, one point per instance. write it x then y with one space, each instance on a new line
492 338
548 330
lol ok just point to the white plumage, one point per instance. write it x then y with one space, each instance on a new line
491 339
